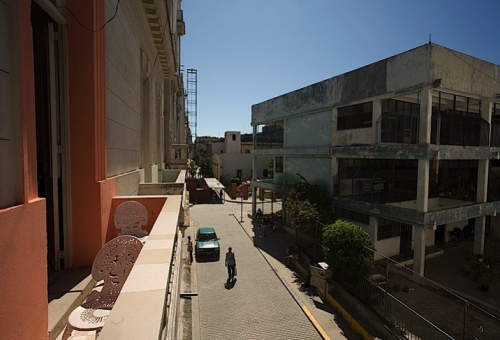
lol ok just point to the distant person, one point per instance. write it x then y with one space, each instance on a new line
190 249
264 226
259 213
230 264
222 195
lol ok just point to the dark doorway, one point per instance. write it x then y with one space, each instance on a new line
48 130
405 242
439 234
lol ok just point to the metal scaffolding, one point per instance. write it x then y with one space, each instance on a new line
192 106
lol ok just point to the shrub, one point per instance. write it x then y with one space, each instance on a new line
347 249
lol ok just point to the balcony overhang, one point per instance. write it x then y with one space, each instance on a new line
415 151
267 184
410 216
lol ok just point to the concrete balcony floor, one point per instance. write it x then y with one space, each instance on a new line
66 290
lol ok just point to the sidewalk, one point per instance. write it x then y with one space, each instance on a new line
273 247
446 270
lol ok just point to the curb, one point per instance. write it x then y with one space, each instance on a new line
355 325
195 302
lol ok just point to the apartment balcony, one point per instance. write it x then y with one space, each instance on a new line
147 305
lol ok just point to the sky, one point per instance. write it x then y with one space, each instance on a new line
248 51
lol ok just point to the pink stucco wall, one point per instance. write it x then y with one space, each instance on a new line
23 241
91 192
23 282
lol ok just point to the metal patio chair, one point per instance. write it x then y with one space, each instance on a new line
130 217
112 266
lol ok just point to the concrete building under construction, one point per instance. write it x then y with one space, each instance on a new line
409 147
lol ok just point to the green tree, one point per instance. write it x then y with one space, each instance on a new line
285 182
206 168
347 249
307 203
302 215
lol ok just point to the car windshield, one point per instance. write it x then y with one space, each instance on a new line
207 237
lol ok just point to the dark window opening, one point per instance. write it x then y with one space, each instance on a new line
388 229
279 165
377 180
355 116
399 122
271 137
456 120
495 125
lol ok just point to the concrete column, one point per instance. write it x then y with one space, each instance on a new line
425 116
146 130
479 232
376 121
423 181
373 229
422 206
423 185
335 113
167 107
419 234
481 197
335 174
486 110
482 184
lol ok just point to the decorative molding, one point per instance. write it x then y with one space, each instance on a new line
157 16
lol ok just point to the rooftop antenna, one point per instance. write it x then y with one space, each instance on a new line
430 38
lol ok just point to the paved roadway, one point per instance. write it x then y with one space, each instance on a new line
258 305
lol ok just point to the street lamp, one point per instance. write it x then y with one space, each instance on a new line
241 196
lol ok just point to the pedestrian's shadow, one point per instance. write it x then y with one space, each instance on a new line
230 284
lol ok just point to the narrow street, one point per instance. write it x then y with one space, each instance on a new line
260 304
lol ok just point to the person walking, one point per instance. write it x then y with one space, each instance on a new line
230 264
190 249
